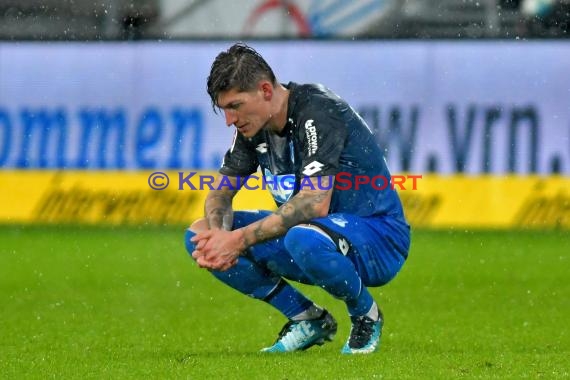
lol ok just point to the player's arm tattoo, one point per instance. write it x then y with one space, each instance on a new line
303 207
309 203
218 205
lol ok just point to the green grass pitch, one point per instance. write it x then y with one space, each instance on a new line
129 303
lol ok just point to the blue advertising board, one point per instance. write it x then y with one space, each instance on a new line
445 106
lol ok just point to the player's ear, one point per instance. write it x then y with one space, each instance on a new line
267 90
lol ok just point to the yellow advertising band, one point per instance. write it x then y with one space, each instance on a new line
116 198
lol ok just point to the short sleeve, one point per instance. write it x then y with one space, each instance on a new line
240 159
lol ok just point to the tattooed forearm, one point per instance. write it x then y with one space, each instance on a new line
258 235
218 209
298 209
304 206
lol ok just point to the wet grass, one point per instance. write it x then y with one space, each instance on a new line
129 303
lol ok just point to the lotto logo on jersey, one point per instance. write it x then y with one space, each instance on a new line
311 133
312 168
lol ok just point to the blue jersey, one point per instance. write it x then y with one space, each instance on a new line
324 136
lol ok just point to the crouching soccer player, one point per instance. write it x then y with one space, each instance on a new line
341 239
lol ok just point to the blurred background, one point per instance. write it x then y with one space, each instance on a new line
178 19
96 95
115 89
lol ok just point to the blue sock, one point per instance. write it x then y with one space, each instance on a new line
320 260
288 300
361 304
256 281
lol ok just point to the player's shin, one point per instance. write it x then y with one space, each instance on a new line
326 267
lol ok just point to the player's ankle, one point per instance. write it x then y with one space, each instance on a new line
313 312
374 312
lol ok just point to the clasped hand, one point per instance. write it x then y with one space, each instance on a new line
217 249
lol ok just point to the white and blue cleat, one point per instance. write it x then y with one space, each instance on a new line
364 336
301 335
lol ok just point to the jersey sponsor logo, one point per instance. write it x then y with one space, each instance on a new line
311 133
312 168
262 148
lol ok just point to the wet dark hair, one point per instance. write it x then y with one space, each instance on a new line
240 68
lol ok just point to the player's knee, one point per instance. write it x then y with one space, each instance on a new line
188 234
303 239
199 225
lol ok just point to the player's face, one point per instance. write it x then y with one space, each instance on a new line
247 111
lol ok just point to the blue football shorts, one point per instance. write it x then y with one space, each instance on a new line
377 246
